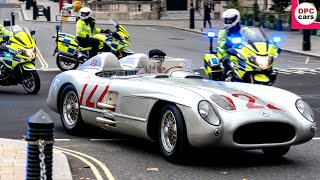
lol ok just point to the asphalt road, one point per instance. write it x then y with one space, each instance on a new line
129 158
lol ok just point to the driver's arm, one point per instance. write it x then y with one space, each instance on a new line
222 39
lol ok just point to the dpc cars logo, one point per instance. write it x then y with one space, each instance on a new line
304 15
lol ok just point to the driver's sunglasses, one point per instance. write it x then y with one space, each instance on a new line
158 58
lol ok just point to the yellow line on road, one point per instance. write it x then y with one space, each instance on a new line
102 165
92 167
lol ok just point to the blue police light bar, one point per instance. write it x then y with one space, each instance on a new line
236 40
57 27
211 34
277 39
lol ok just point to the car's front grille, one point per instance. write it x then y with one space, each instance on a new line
264 133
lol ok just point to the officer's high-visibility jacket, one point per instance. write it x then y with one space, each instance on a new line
4 32
224 38
83 29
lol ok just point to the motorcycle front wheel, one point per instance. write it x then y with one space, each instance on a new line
31 81
65 66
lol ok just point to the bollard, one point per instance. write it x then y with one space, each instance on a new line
191 16
12 19
28 4
306 44
6 23
40 144
48 14
35 10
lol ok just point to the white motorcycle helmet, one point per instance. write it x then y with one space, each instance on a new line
231 17
85 13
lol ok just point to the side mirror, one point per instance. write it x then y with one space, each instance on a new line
57 27
33 32
279 50
6 38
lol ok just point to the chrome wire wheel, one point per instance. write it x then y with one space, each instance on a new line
70 109
168 131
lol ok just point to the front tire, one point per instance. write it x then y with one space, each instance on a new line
65 66
69 109
172 133
276 152
31 81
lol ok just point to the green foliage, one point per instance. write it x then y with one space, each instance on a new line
250 16
256 11
280 5
244 16
315 2
270 18
318 16
236 5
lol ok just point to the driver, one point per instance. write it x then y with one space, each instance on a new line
231 29
85 29
156 58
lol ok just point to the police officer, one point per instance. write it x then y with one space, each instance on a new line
4 32
85 29
231 29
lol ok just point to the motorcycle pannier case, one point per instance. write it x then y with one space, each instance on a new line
67 43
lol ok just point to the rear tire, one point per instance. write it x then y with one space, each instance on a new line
65 66
31 81
69 110
276 152
172 134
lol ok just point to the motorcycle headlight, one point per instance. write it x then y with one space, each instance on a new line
22 52
262 61
207 113
31 52
305 110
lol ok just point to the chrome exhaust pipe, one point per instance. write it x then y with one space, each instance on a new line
68 59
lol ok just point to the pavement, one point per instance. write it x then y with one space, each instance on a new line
13 152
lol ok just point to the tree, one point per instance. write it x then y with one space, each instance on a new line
236 5
280 5
315 2
256 11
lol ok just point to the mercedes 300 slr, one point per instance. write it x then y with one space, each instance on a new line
179 109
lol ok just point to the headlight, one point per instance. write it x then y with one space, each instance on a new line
305 110
262 61
207 113
223 101
31 52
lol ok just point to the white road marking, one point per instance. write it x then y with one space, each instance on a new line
151 28
108 139
316 138
307 60
61 139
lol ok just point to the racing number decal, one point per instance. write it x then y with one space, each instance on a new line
88 100
252 100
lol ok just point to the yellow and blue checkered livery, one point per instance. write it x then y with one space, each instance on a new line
67 43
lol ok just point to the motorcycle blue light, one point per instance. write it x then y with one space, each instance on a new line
277 39
236 40
211 34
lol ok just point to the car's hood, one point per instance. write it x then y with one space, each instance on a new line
241 94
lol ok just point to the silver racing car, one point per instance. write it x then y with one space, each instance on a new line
179 108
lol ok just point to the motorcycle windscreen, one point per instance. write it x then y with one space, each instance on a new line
23 39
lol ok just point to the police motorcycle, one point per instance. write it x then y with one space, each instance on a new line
71 54
251 59
17 57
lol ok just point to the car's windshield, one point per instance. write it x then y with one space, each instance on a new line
252 34
16 28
